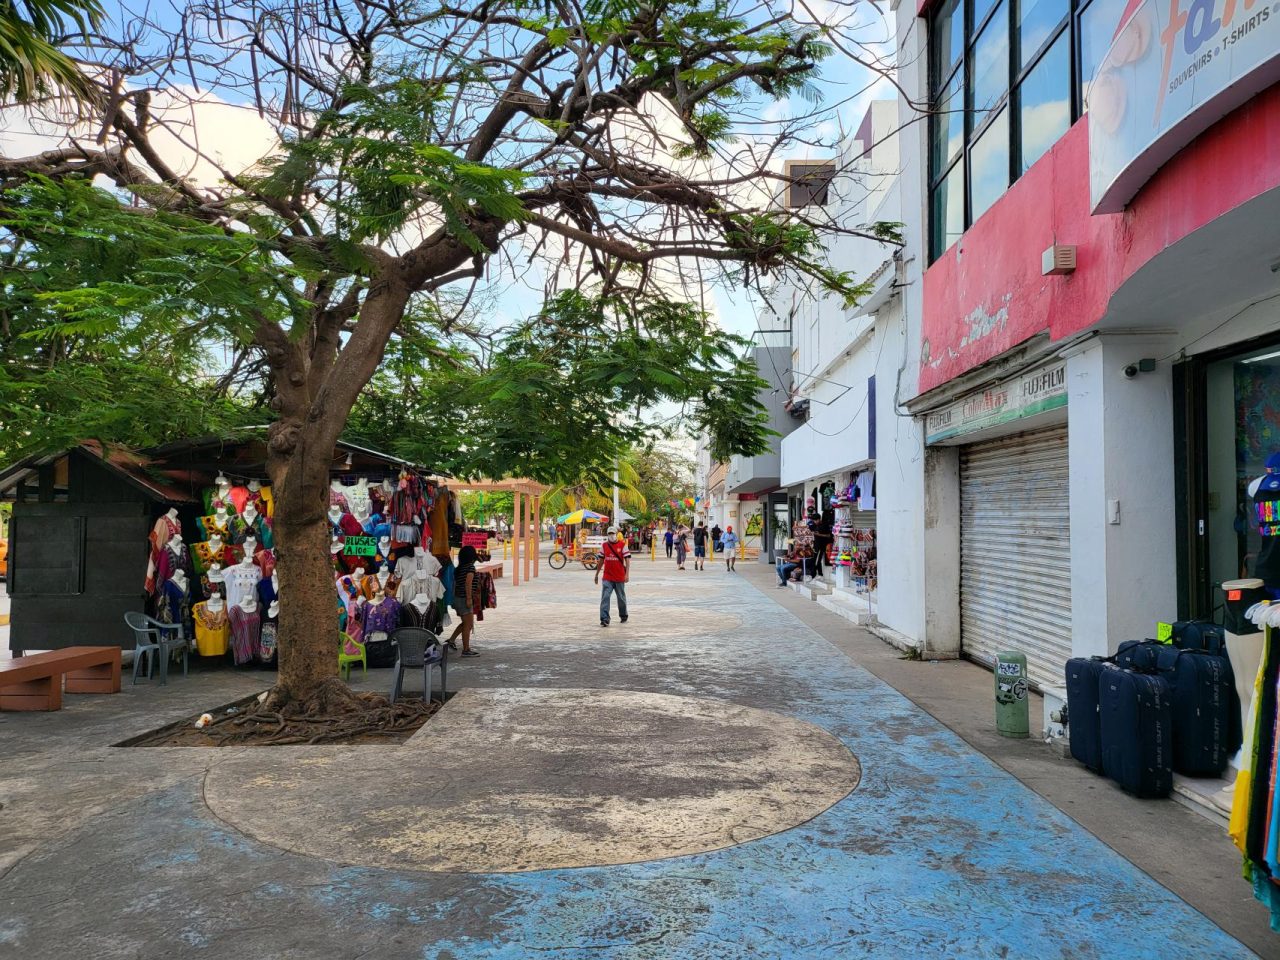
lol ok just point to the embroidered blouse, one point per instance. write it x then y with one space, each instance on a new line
212 630
246 631
242 578
428 619
210 525
380 618
371 585
203 556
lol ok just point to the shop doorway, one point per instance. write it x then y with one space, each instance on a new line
1232 417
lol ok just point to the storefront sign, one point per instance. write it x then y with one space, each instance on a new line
478 540
1044 388
1175 68
360 546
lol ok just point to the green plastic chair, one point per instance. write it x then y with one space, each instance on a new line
346 644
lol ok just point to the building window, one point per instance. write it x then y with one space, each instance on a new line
809 184
1004 87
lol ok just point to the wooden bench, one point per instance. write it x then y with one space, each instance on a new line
35 682
491 566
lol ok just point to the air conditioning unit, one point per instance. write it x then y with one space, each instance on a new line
799 408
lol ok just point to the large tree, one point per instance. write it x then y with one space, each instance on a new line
419 148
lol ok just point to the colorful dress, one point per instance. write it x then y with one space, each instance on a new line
163 531
210 525
246 632
173 605
212 630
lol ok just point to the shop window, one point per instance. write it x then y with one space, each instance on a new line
1096 28
989 161
1009 63
1044 102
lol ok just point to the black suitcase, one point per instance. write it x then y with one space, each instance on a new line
1135 710
1082 710
1205 713
1199 635
1139 654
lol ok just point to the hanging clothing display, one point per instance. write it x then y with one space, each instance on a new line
439 522
213 524
165 529
426 618
241 579
419 576
246 630
218 495
173 604
263 500
203 556
213 630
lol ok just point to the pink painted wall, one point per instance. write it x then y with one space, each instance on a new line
986 295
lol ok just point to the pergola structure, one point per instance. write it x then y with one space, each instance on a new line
526 515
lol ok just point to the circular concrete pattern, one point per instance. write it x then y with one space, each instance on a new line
504 781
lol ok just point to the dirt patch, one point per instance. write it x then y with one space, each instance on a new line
236 724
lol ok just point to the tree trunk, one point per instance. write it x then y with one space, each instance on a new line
307 641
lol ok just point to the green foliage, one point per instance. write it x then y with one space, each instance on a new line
31 66
567 393
108 314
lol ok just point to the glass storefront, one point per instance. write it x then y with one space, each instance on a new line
1233 420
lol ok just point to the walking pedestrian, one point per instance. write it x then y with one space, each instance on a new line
729 543
615 564
716 534
669 538
464 595
700 546
682 547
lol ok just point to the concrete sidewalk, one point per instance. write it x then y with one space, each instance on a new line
900 839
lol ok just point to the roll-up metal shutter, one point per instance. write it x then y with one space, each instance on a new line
1015 552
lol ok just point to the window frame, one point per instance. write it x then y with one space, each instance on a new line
1010 100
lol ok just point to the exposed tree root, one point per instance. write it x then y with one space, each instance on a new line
333 712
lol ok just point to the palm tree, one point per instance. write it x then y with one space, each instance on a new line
593 496
31 64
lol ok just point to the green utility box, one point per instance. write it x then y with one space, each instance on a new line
1011 694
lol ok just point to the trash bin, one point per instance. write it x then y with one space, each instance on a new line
1012 707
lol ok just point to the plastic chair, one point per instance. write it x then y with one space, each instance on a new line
416 648
347 643
156 641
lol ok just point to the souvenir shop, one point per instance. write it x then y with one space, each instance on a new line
198 515
836 516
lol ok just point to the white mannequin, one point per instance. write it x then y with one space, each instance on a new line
220 515
335 545
337 487
172 514
335 514
215 545
175 541
224 488
250 513
384 575
387 487
358 574
360 510
248 603
214 604
215 573
275 581
360 599
179 580
378 597
254 486
273 611
421 602
250 548
384 546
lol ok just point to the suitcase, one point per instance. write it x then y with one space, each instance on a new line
1197 635
1139 655
1203 703
1082 710
1135 710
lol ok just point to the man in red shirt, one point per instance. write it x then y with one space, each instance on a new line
615 564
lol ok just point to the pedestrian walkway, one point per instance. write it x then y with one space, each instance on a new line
912 845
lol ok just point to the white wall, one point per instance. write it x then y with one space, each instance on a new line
905 565
1123 576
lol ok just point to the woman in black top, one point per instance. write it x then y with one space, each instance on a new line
464 585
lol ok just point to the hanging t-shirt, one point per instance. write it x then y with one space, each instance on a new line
614 552
241 579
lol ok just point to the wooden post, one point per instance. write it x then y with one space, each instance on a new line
537 540
528 560
515 540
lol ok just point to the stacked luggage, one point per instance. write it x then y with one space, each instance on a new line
1155 708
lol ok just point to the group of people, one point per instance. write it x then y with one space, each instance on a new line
676 541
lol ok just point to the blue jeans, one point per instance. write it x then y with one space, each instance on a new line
609 589
785 571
